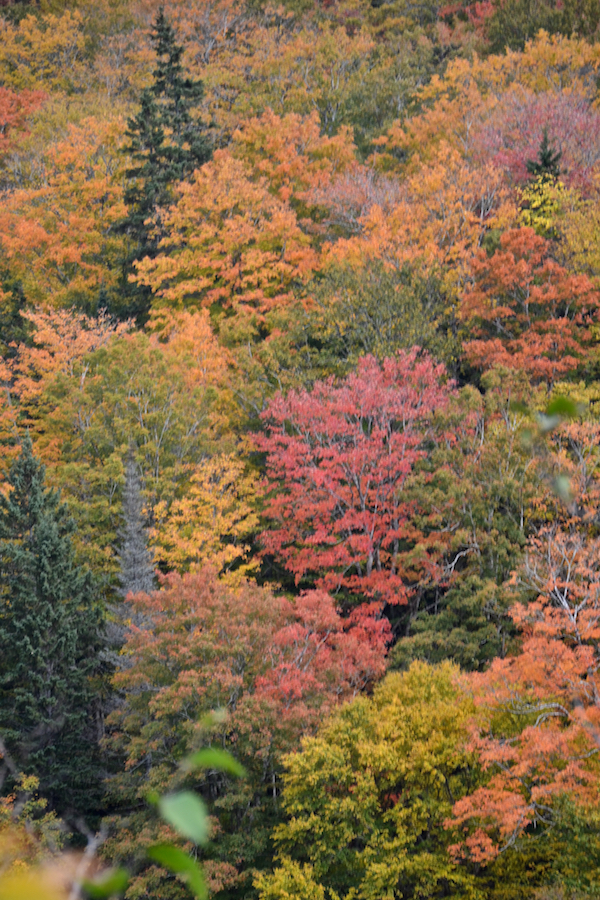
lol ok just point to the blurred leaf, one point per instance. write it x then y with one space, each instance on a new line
187 814
153 797
211 758
110 884
562 487
216 717
527 438
178 862
562 406
548 423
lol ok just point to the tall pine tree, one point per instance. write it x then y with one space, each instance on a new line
50 640
167 142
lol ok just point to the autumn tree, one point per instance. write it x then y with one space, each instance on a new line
487 489
366 798
213 523
537 732
274 666
526 311
50 635
15 107
58 234
433 221
338 459
90 392
44 53
56 344
230 243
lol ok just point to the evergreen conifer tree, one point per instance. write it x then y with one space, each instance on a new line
137 570
167 143
547 163
50 639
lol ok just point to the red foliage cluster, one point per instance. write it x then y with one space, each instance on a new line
14 111
204 645
338 460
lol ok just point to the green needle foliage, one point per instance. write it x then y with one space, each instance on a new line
167 143
50 627
547 163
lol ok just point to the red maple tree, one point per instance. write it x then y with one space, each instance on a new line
338 459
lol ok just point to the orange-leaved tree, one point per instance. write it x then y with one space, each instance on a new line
538 729
525 311
292 153
230 242
58 235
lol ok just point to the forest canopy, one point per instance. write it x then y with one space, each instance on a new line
299 450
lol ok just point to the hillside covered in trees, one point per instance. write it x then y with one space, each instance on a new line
300 449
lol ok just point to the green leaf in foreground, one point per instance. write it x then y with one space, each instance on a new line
187 814
211 758
109 884
562 406
178 862
548 423
562 488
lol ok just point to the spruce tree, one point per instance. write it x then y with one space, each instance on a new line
547 164
167 142
50 639
137 570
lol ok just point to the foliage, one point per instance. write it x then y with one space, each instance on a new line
538 730
276 666
512 23
338 459
526 311
58 234
230 243
29 834
50 635
376 310
366 799
486 487
103 392
547 164
44 53
15 107
166 144
213 523
366 231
